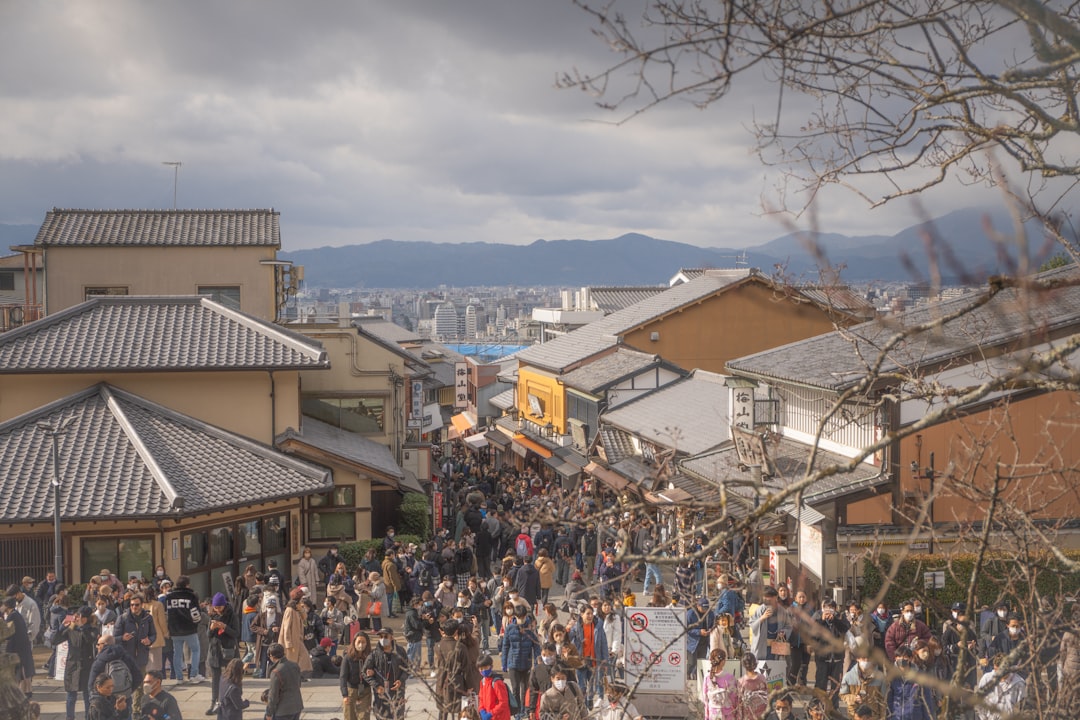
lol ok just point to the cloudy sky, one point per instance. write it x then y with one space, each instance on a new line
411 119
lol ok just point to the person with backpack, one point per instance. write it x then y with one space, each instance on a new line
493 701
385 671
223 645
520 649
113 662
463 565
564 699
523 544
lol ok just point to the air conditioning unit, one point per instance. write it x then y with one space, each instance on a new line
838 596
654 336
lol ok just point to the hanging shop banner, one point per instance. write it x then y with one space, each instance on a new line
461 385
655 650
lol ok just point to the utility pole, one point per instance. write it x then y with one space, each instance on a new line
176 178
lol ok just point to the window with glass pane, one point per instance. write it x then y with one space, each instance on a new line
98 291
7 281
361 415
98 554
227 295
135 555
250 541
332 525
221 545
275 534
194 550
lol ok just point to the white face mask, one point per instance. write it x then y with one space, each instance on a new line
865 665
560 685
955 614
783 713
548 659
1014 631
386 642
909 616
918 608
1001 614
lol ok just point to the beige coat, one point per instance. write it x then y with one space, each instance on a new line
292 637
161 624
546 567
391 576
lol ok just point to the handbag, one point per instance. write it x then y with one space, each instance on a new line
780 648
374 608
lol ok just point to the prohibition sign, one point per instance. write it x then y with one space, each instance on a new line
674 658
655 658
636 658
638 622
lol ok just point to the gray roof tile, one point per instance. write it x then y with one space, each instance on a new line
596 337
154 333
132 458
612 299
688 415
388 331
346 445
595 376
838 360
149 228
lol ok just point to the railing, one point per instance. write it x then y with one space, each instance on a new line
13 316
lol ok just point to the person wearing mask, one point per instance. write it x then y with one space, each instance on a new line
613 630
137 632
904 631
307 572
588 638
156 610
446 593
27 607
960 644
394 584
699 623
782 708
493 700
157 703
719 689
266 627
104 705
563 700
863 685
906 698
222 646
541 676
379 605
385 672
993 626
19 644
79 633
414 632
1011 639
769 622
355 692
520 647
292 632
1003 690
182 614
527 583
829 646
283 698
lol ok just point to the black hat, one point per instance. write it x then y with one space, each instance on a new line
959 606
386 632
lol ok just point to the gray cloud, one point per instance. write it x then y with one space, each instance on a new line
413 120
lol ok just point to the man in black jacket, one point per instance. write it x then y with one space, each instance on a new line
183 615
385 672
283 699
328 562
108 652
81 636
829 652
527 582
137 633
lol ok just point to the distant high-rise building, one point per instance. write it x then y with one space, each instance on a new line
446 322
470 322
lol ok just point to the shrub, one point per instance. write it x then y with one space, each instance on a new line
1001 578
352 553
415 515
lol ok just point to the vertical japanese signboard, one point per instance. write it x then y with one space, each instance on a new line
416 412
656 650
461 385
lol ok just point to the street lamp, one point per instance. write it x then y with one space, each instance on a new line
54 432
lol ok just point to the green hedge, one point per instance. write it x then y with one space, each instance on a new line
415 516
1001 578
353 553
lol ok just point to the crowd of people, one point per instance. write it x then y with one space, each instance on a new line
534 580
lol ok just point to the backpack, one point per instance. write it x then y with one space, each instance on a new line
515 706
425 576
463 561
121 676
521 547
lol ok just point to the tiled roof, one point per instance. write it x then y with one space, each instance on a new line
838 360
114 333
595 376
611 299
564 351
122 456
505 400
688 415
616 443
789 458
839 297
346 445
155 228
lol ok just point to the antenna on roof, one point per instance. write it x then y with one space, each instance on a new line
176 177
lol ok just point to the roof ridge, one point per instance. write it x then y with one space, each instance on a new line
300 343
177 211
158 474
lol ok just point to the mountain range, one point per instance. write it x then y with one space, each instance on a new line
967 255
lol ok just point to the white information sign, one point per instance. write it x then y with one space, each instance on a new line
656 649
61 661
811 549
